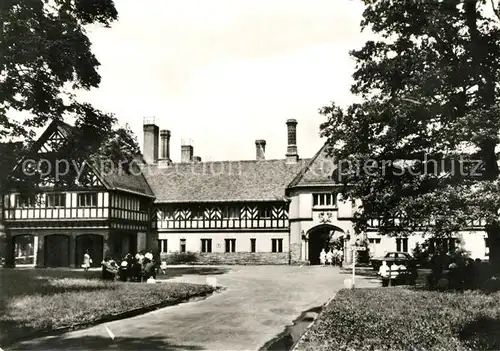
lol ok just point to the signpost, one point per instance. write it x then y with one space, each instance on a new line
355 249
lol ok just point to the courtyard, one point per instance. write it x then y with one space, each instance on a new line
258 302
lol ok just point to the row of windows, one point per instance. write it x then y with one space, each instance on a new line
230 245
129 203
201 212
401 243
445 244
324 199
56 200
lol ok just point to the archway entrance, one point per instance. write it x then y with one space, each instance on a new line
24 249
319 238
92 242
56 250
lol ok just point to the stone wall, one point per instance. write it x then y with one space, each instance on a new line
230 258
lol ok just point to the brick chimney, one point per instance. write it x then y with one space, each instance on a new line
151 138
186 151
260 149
165 145
291 150
197 159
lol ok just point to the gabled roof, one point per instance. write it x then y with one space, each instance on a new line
317 172
132 181
255 180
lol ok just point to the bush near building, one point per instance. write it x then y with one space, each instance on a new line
179 258
404 319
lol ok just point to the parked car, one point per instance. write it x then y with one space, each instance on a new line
392 257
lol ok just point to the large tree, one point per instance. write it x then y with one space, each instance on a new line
45 59
421 146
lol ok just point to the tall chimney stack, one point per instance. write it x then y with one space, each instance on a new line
165 145
291 150
150 144
260 149
186 151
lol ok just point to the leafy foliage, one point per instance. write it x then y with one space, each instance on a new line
46 57
420 147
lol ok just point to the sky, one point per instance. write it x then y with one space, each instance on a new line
223 73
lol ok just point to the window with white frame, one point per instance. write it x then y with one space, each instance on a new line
277 245
265 211
253 242
206 245
232 211
26 200
163 245
324 200
87 200
402 244
230 245
55 200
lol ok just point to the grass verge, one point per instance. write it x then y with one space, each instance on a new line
42 301
405 319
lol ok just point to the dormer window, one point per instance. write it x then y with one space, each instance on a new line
324 200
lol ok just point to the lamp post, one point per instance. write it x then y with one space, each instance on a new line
347 238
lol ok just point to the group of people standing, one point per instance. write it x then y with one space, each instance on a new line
332 257
135 268
457 273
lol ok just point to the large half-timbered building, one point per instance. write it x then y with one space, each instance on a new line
248 212
105 213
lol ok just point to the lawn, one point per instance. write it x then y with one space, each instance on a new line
34 300
397 318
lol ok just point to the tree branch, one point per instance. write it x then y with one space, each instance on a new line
495 10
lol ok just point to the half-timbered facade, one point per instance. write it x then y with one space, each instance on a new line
106 214
228 212
247 212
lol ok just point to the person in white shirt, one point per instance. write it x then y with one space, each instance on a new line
139 257
329 257
383 271
322 257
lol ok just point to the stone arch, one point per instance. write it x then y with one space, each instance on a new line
24 250
318 238
92 242
56 250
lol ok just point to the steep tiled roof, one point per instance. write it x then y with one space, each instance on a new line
317 172
127 181
132 181
259 180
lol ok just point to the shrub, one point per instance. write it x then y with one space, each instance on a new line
181 258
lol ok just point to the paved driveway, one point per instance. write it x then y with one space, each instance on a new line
256 306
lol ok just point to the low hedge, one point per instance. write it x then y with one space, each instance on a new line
179 257
404 319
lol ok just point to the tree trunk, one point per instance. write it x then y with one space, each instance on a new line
494 248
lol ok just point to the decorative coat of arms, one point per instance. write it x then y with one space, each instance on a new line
325 217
